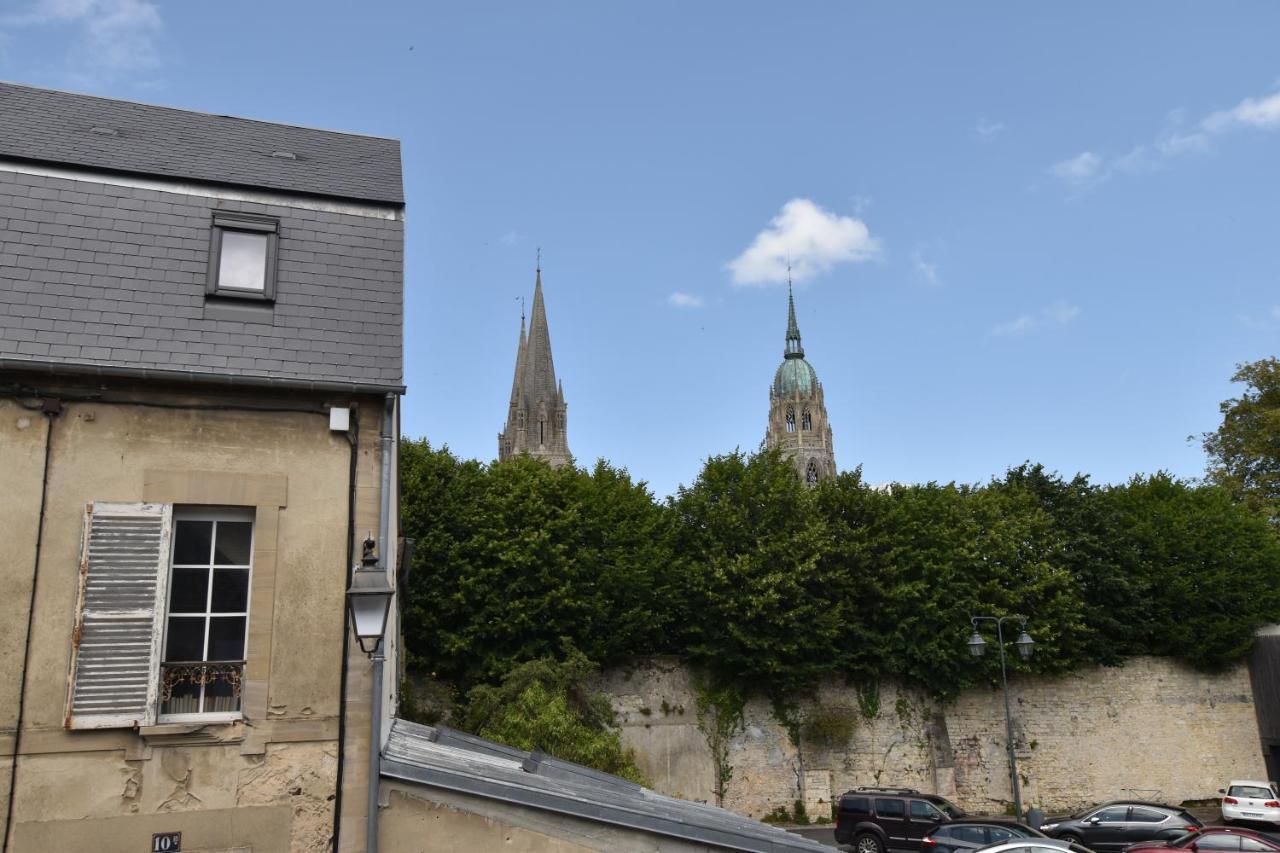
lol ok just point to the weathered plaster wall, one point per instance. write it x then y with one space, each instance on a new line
1152 728
419 819
282 759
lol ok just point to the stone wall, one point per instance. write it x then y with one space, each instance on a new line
1152 728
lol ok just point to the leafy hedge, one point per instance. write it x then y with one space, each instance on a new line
770 585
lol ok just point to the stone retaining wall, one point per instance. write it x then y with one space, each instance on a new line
1152 728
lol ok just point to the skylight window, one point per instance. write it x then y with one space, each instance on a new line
242 256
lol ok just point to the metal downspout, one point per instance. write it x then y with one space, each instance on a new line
377 658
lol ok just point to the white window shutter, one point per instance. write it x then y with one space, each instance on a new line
124 575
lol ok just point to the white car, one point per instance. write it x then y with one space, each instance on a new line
1250 802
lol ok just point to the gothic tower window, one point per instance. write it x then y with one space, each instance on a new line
791 419
542 432
811 473
806 420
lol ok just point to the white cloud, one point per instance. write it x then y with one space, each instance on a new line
1079 169
988 129
1059 313
1020 326
1251 112
926 270
108 36
1174 141
684 300
811 239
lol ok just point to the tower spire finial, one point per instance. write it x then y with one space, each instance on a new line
793 348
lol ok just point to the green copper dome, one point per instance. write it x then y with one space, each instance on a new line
795 376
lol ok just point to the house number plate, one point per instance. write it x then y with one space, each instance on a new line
166 842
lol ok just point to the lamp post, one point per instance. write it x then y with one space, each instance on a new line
1025 645
369 600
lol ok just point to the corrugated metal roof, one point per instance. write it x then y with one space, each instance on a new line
443 758
122 136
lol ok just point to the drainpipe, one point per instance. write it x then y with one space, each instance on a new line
377 658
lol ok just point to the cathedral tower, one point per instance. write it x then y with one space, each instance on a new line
537 415
797 414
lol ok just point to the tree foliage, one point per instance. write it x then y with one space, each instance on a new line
1244 452
768 586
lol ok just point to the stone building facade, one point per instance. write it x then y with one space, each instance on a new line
200 372
537 417
798 423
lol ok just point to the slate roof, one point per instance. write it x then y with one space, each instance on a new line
443 758
49 126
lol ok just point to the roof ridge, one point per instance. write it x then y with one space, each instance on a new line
167 108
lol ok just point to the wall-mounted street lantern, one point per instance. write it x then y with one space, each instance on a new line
1025 645
369 600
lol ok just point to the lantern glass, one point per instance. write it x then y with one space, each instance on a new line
977 645
1025 645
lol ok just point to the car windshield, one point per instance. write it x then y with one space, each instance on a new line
1250 791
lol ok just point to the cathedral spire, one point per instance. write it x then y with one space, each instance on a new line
793 348
536 418
520 348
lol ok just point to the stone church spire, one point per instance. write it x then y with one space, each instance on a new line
798 423
537 415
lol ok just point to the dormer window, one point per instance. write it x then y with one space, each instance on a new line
242 256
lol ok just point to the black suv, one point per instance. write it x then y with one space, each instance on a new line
875 820
1113 826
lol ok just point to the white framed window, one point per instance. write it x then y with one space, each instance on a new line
207 617
162 615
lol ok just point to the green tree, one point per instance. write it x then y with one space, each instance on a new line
1208 569
750 541
546 704
1244 452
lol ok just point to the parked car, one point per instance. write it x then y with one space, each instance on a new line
1114 826
1035 845
1211 838
970 833
1250 802
875 820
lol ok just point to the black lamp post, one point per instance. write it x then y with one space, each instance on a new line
1025 645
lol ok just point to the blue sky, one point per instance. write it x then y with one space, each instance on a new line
1021 231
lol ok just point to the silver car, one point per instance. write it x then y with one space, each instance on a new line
1034 845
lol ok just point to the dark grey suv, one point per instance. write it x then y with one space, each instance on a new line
875 820
1113 826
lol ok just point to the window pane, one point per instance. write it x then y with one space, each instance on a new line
1118 814
191 542
220 694
244 261
1251 845
999 833
184 698
856 805
972 834
189 591
1139 815
185 640
891 808
230 591
923 811
233 543
1250 791
226 638
1218 841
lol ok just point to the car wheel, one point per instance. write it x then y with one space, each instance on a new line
1070 838
867 843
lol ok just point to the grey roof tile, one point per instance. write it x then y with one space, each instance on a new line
443 758
55 127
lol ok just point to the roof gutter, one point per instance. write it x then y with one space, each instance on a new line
191 377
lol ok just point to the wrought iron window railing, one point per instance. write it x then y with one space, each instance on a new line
200 687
